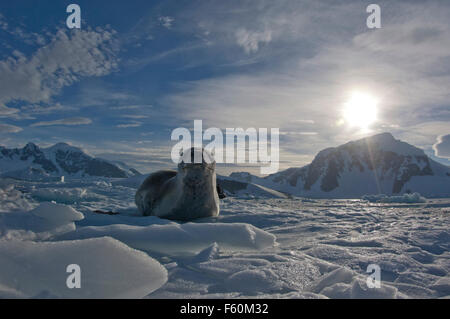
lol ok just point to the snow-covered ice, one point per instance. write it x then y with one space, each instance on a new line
257 247
44 221
405 198
181 239
62 195
56 214
109 269
11 199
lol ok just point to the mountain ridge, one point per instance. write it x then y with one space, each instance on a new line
379 164
35 163
372 165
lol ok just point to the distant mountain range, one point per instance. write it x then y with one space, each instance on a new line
34 163
379 164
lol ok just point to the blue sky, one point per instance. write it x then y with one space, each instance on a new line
136 70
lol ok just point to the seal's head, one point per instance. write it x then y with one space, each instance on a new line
196 167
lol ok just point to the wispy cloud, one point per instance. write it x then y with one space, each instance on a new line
134 116
251 40
34 109
103 95
7 111
145 159
166 21
127 125
3 23
66 121
18 32
6 128
130 107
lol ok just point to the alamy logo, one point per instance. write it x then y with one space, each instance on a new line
374 19
374 279
73 20
74 279
257 145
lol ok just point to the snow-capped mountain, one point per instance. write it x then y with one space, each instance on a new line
34 163
379 164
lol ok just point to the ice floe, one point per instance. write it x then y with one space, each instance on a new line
109 269
181 239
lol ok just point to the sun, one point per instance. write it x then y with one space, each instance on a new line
360 110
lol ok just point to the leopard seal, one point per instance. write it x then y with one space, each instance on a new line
186 194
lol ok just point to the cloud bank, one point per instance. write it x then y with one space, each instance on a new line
69 56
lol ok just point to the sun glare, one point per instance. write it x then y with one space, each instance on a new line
360 110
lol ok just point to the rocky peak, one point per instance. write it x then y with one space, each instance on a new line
64 147
59 159
362 166
30 148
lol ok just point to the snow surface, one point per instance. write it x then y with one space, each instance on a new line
257 247
109 269
68 196
181 239
11 199
258 191
405 198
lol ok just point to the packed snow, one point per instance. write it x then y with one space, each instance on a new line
257 247
405 198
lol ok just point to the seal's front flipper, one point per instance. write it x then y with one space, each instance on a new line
220 192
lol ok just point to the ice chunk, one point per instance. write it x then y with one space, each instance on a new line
414 291
360 290
109 269
225 267
253 282
338 291
47 219
340 275
57 213
182 239
442 286
61 195
11 199
207 254
405 198
256 273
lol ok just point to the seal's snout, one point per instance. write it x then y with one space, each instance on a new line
195 175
